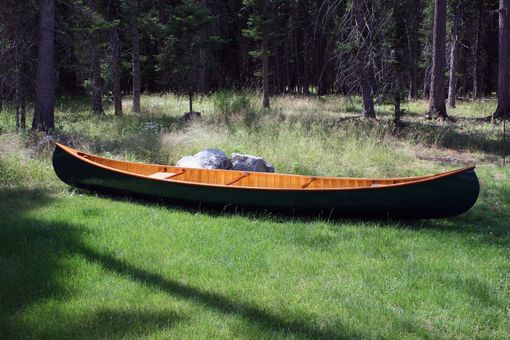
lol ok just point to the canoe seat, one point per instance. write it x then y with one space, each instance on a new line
162 175
165 175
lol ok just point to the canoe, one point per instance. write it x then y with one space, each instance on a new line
434 196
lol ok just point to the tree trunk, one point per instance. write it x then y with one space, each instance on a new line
324 60
412 33
117 93
306 63
437 106
190 96
202 79
95 69
97 88
163 17
454 54
287 63
503 108
19 84
45 79
113 14
202 68
426 82
397 99
265 71
297 65
476 52
363 63
305 24
135 57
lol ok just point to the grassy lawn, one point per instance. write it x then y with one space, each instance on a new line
75 265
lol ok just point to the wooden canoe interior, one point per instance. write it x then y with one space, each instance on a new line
240 178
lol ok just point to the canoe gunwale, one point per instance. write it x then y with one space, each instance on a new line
411 180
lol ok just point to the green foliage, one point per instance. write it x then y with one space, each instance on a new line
186 34
230 106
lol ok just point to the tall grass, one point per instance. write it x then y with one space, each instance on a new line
303 135
302 147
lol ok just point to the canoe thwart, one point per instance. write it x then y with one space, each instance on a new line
307 183
238 178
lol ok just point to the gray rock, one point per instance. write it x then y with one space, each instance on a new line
251 163
208 159
191 116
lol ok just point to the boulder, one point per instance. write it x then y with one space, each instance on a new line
190 116
250 163
207 159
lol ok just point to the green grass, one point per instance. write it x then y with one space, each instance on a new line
75 265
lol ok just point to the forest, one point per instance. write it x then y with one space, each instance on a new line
381 50
372 90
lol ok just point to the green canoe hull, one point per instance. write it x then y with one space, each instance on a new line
442 197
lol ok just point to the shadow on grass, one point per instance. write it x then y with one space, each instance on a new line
32 262
453 137
33 257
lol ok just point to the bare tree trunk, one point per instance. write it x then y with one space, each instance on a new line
437 107
135 57
162 11
304 13
454 54
287 66
117 94
412 33
426 82
397 99
363 62
278 85
306 63
95 69
202 79
324 58
45 80
97 88
476 52
265 71
297 66
202 68
113 14
19 83
503 109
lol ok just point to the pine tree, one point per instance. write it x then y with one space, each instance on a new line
454 52
503 109
45 90
135 55
258 29
437 107
180 57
